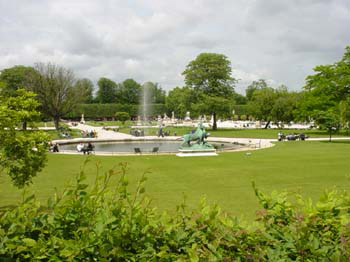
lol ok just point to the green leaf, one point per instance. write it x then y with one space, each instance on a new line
29 242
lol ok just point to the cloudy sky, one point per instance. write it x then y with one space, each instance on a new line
153 40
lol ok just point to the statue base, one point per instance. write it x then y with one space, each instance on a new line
198 152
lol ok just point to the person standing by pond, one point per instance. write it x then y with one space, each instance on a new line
55 148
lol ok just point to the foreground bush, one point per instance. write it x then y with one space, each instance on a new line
107 223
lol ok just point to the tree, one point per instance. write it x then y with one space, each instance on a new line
156 93
240 99
22 153
17 77
255 85
129 92
106 92
215 105
122 116
210 74
328 120
86 87
56 90
325 89
180 100
344 109
269 104
284 106
262 104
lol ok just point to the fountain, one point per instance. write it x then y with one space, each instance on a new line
145 102
138 123
143 120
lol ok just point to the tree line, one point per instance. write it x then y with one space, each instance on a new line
209 89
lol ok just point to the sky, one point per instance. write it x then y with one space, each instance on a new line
280 41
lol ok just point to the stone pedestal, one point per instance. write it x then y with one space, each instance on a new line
203 152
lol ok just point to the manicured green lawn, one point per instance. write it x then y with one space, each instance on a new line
271 133
305 167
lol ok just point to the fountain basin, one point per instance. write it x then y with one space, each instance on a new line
237 144
145 146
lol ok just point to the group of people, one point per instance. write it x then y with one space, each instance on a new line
137 132
54 147
291 137
162 133
90 134
86 149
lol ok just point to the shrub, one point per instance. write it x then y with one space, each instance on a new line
105 223
122 116
243 117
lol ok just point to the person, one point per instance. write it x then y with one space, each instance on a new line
280 135
55 148
80 147
161 133
90 148
50 145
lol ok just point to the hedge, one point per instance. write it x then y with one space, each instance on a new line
98 111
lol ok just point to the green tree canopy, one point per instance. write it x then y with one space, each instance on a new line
262 103
86 88
17 77
213 105
180 100
269 104
156 93
255 85
210 74
107 90
325 89
129 92
22 153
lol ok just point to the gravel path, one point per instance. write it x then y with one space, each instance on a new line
101 132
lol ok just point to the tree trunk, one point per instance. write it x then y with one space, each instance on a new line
267 124
56 120
215 127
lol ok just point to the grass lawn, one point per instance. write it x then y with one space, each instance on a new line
74 133
305 167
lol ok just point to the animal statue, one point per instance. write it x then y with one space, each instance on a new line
199 135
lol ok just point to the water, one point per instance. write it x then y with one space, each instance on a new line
146 147
145 102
